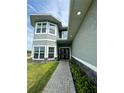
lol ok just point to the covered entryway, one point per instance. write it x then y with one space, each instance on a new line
64 53
64 49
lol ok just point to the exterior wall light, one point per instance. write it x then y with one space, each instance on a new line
79 13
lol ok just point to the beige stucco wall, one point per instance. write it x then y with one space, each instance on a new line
84 45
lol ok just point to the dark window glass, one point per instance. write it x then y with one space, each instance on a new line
44 24
52 25
51 49
36 49
41 55
43 30
51 52
42 49
39 24
35 55
44 27
39 52
51 55
38 30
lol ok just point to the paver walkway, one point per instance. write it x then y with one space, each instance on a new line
61 80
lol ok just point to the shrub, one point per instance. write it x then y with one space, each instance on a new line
81 81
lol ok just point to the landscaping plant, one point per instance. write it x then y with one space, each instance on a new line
81 81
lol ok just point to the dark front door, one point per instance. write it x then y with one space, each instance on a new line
64 53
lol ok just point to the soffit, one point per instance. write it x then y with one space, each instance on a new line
74 19
42 17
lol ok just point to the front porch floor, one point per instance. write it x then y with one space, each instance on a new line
61 80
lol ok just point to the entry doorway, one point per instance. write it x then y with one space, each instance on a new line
64 53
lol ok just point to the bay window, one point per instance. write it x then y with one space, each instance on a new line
38 30
41 28
52 29
44 27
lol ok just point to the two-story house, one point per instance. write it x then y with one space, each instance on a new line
78 41
50 38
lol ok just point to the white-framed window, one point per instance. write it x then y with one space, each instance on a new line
51 51
45 28
64 34
38 28
39 52
36 52
52 28
41 28
42 52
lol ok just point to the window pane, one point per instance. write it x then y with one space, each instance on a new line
35 55
38 30
42 49
51 55
43 30
52 25
51 52
44 24
51 49
41 55
39 24
36 49
52 31
64 34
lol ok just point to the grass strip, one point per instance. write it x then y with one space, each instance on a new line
41 83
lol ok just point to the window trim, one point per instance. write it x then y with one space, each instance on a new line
51 52
55 52
46 53
41 27
39 52
47 28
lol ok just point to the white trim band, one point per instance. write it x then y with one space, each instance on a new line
44 40
86 63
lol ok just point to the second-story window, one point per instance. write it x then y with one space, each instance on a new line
38 30
44 27
52 29
64 34
41 28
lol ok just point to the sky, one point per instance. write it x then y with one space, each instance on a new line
57 8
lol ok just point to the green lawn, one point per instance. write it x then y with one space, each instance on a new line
38 75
